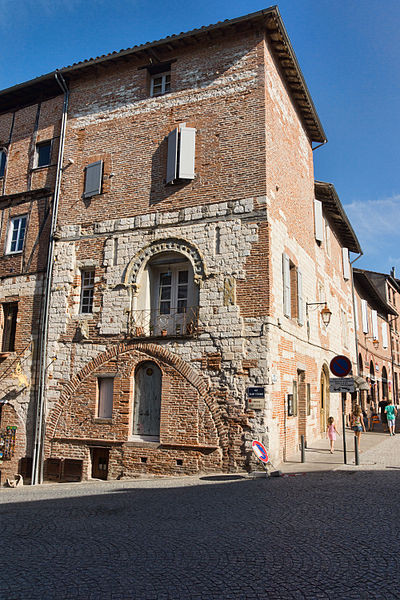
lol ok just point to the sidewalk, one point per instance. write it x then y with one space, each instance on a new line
378 451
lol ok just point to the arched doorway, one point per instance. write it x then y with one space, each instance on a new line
372 382
167 302
147 402
384 383
324 398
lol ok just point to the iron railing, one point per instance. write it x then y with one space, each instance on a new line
152 323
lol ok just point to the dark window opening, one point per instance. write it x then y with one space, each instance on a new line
10 312
3 158
43 154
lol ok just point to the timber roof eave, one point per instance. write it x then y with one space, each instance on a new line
326 193
362 276
269 19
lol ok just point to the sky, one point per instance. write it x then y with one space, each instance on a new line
348 50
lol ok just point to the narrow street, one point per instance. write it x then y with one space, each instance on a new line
323 535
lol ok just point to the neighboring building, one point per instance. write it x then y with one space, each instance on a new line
29 139
375 312
193 254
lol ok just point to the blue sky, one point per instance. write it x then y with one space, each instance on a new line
349 51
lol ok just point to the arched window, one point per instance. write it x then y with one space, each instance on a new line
167 302
147 402
384 383
360 364
372 377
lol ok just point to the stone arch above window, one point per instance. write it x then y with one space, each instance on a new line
180 246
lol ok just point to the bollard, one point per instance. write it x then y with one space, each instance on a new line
302 446
356 453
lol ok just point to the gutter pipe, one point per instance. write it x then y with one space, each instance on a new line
38 448
354 318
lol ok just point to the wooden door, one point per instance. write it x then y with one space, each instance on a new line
100 457
147 407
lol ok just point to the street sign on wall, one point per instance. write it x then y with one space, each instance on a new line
340 366
341 384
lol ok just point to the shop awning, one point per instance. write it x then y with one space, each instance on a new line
361 383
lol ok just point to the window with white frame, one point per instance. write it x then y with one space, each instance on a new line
87 290
105 397
16 234
160 83
43 154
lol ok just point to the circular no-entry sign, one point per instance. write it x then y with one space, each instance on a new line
260 451
340 366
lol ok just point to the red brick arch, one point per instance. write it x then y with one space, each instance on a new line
160 353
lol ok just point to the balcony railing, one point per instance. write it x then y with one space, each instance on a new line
152 323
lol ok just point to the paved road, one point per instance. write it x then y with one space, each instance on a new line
318 536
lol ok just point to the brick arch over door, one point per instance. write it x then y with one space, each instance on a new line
159 353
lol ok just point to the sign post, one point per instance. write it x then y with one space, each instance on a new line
341 366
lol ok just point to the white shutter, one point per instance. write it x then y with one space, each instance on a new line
300 307
93 179
374 318
172 159
356 313
364 315
318 221
384 335
187 152
346 263
286 285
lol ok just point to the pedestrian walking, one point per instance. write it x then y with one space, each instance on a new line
371 410
357 423
331 433
391 413
382 405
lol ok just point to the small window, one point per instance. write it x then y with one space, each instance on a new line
10 311
87 289
160 84
105 397
3 158
43 154
16 235
292 290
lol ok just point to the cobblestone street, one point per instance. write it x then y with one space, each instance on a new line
321 535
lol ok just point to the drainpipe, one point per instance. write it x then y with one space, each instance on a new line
38 447
354 318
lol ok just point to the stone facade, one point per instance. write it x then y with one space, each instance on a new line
246 216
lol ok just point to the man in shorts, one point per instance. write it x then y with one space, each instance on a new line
391 413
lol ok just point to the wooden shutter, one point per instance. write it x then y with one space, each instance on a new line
384 335
172 158
286 285
318 221
346 263
300 307
374 317
356 313
93 179
187 152
364 315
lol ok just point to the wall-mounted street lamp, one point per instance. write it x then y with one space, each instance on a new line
325 312
375 341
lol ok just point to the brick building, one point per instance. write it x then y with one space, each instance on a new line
376 318
190 257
